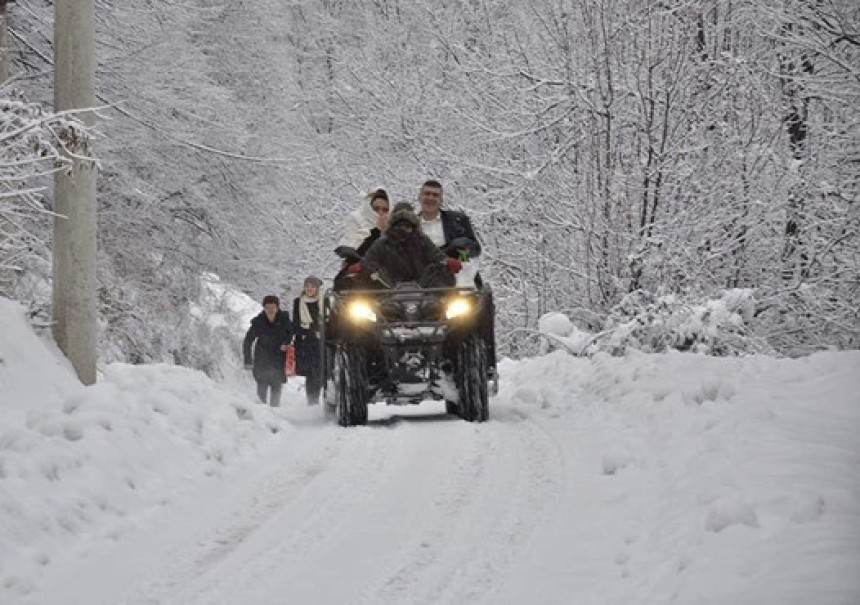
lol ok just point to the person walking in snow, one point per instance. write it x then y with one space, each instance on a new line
306 314
270 333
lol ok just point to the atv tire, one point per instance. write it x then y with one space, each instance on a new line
471 379
350 386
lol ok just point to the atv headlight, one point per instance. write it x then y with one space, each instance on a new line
459 307
360 311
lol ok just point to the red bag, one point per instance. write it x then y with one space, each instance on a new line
291 360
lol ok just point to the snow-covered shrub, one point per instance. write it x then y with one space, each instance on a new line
558 330
813 316
556 324
655 323
203 330
30 143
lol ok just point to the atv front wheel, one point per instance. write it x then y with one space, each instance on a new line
350 386
471 379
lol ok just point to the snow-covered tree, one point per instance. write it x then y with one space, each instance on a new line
683 148
31 139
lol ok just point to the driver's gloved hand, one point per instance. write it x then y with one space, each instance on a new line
349 254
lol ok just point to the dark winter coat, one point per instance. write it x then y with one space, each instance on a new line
267 337
456 225
375 234
415 259
307 340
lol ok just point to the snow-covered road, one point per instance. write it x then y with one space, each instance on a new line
418 508
674 478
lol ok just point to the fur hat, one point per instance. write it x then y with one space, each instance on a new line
403 211
271 299
312 280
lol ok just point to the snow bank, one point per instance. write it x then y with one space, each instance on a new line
76 460
718 480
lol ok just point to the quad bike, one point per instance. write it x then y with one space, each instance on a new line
403 345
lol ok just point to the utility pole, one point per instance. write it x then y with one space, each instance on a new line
4 43
6 274
75 221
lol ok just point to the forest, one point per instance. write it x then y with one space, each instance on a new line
626 163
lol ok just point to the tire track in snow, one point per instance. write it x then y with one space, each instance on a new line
507 482
414 510
199 573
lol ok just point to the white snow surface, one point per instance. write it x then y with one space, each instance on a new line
671 478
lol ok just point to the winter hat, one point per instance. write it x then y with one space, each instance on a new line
375 193
312 280
271 299
403 212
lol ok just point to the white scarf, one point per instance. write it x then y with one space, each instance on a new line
305 318
359 224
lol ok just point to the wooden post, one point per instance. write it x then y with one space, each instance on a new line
6 274
4 51
75 227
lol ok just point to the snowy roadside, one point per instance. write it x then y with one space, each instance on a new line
78 463
698 479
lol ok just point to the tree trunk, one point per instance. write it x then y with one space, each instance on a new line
794 68
75 226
